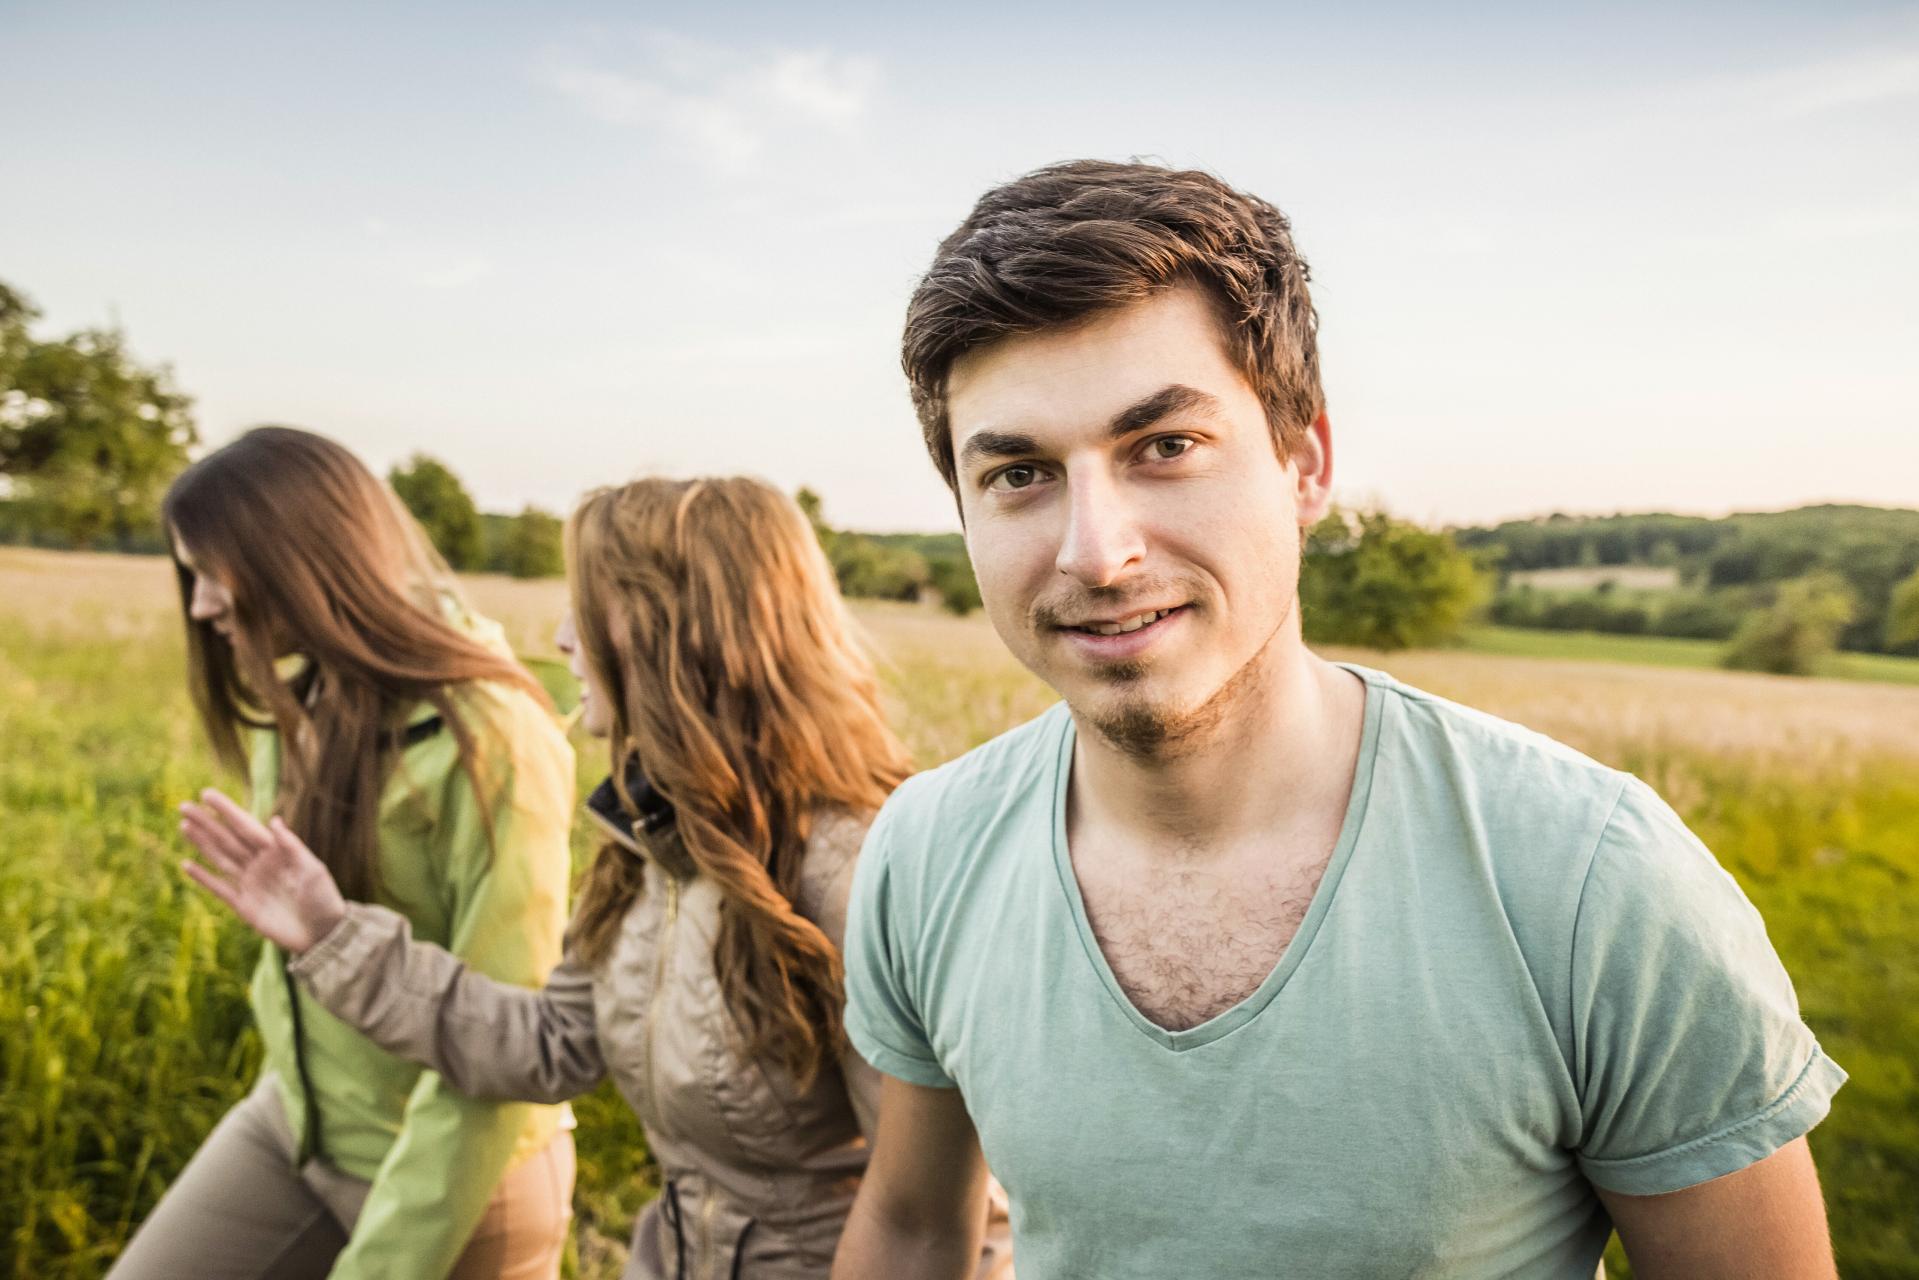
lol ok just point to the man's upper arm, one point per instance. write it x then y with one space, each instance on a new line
1690 1059
1766 1220
885 1015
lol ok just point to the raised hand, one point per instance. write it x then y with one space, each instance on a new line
263 871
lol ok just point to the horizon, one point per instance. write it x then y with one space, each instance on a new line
1658 259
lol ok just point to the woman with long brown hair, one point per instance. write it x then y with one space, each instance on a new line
334 664
749 753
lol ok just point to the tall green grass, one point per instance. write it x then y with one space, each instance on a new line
122 991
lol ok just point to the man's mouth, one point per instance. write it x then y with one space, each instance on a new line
1122 626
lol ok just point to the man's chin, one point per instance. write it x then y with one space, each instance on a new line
1134 722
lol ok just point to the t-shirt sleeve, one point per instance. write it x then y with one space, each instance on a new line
884 1015
1690 1056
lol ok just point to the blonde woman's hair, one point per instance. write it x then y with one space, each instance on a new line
709 615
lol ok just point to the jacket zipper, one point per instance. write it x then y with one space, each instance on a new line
662 953
310 1110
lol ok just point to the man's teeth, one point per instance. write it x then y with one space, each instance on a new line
1130 624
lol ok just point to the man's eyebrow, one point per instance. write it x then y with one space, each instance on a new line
996 444
1164 403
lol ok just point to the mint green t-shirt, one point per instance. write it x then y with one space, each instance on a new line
1521 977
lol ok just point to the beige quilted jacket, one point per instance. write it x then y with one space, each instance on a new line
758 1176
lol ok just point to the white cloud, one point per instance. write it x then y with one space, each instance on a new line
723 105
819 85
1860 79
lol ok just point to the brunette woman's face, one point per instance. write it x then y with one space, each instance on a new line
596 711
212 600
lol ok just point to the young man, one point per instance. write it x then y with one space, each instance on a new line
1241 963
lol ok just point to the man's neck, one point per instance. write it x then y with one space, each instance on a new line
1284 749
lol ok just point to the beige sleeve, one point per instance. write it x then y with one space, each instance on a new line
826 885
417 1001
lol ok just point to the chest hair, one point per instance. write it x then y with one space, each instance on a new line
1187 943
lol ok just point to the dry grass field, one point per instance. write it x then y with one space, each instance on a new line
1627 577
121 992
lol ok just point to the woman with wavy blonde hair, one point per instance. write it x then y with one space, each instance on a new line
749 751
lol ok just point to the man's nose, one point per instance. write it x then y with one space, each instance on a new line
1102 535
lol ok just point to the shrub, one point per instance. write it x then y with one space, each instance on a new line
1800 627
1370 580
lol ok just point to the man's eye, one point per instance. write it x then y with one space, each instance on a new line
1018 477
1170 446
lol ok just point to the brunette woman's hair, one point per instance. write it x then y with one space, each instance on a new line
330 577
709 615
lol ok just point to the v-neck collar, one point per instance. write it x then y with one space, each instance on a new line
1246 1010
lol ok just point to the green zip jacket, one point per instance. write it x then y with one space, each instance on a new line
432 1154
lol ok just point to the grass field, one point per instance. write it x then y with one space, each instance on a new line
121 991
1626 577
1668 651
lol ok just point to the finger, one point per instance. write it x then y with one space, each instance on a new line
244 823
211 883
290 845
214 839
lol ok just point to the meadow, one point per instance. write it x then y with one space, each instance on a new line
122 990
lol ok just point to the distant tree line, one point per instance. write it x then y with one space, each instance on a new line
90 438
1849 573
527 545
896 566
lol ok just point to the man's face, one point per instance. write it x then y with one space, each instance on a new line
1135 534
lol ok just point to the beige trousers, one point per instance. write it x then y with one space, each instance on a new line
241 1211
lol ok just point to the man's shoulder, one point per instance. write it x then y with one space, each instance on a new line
1489 758
1494 799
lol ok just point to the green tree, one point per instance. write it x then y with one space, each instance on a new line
1902 614
1368 579
443 507
1799 628
16 314
534 546
876 571
865 566
809 502
89 437
953 579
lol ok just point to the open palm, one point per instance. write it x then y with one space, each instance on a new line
262 870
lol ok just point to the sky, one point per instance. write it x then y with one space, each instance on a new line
1639 257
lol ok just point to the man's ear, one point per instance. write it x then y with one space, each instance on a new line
1312 463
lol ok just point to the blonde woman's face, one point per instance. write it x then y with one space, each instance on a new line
596 713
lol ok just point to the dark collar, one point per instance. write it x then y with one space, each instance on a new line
655 812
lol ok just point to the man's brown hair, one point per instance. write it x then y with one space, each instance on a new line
1073 240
